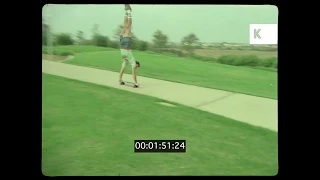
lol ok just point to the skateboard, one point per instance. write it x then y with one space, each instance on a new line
129 84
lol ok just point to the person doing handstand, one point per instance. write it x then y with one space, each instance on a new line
125 47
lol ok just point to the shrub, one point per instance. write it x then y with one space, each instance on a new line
239 60
209 59
195 56
66 53
44 50
64 39
203 58
270 49
249 60
143 45
114 44
100 40
170 51
275 64
227 59
252 61
268 62
57 52
180 54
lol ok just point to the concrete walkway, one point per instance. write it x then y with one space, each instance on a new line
250 109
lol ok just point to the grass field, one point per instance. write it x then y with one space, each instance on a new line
213 75
202 52
89 130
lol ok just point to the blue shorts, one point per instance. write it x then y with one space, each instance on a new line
125 42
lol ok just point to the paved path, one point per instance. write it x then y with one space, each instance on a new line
250 109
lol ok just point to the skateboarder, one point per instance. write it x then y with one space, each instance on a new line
125 47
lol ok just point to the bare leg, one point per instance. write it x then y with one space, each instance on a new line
121 73
121 34
127 22
123 67
134 74
127 7
124 24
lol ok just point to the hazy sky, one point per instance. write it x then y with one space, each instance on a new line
211 23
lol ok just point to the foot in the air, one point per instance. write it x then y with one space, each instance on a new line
127 7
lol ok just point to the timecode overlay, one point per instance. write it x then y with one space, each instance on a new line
160 146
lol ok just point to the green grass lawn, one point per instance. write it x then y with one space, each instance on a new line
89 129
244 80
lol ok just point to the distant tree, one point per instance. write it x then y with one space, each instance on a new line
80 38
135 42
143 46
95 29
117 32
114 44
100 40
45 32
64 39
188 42
97 38
160 40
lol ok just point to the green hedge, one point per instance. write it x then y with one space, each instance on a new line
252 61
234 60
203 58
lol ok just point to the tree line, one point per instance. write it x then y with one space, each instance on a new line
159 41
